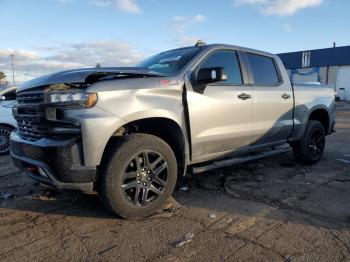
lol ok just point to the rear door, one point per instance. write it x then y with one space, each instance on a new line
221 116
272 98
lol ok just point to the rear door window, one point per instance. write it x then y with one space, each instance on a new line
263 69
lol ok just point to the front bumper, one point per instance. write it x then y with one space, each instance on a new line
61 162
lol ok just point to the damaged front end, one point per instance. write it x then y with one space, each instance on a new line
48 144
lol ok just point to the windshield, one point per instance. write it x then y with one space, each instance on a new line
169 62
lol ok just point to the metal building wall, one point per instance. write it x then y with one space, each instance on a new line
323 75
343 82
332 75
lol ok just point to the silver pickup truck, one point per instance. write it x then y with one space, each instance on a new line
129 133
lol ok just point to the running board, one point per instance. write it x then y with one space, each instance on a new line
238 160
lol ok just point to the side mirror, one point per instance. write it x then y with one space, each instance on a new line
2 98
211 75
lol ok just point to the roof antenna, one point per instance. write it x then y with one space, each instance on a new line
200 42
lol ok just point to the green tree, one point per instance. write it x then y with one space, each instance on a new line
2 76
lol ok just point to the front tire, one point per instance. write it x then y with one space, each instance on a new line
311 147
138 176
5 133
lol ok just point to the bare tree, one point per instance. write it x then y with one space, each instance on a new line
2 77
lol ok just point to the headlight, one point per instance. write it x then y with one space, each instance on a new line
82 99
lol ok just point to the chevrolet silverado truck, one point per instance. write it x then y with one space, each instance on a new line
129 133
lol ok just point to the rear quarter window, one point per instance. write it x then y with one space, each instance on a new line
263 69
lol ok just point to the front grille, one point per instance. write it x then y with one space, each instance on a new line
30 98
30 116
31 130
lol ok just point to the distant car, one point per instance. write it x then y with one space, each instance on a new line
7 122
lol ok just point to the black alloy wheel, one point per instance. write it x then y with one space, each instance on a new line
317 144
145 178
309 150
137 176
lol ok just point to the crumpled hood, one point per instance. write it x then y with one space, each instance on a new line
85 75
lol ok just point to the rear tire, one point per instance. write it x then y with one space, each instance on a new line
138 176
5 133
311 147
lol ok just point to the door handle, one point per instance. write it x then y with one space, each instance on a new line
286 96
244 96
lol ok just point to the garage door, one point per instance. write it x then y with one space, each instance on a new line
343 83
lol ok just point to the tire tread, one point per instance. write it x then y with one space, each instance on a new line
300 149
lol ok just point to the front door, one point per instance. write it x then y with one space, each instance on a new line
221 116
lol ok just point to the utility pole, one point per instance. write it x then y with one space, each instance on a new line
13 70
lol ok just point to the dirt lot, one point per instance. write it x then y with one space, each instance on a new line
271 210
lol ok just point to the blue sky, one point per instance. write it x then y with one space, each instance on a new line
50 35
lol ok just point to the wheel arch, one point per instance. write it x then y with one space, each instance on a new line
7 125
321 115
165 128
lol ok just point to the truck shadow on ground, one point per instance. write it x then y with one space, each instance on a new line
276 189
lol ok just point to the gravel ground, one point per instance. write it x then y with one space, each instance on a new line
270 210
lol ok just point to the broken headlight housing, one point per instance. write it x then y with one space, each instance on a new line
73 98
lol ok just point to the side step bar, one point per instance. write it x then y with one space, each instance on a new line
238 160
